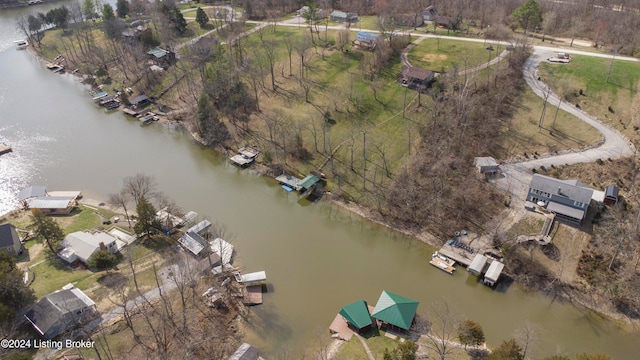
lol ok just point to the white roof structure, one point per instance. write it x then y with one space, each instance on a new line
223 249
200 227
50 202
252 278
71 193
193 242
190 217
478 264
494 271
81 245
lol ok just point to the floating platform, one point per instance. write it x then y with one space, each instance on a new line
252 295
241 161
443 263
5 149
290 181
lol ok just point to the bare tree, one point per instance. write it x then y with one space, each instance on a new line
444 327
140 185
121 199
528 336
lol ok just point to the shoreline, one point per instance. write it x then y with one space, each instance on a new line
570 296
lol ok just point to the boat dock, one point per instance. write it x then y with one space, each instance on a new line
443 263
252 295
245 156
289 181
5 148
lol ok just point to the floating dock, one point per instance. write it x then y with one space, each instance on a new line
443 263
252 295
245 156
290 181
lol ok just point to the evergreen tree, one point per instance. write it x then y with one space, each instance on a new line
102 259
107 12
528 15
122 6
14 294
88 10
201 18
470 333
147 221
508 350
178 20
47 229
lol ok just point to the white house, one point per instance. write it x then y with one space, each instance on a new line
81 245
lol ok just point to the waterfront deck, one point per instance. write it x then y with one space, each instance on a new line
241 161
340 328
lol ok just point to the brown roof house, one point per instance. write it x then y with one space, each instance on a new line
416 78
9 240
60 312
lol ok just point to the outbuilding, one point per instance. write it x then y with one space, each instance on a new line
611 195
493 273
478 264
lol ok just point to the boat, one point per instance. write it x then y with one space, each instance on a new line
254 278
4 148
21 44
443 263
56 68
148 118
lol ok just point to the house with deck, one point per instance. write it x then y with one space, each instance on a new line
80 245
343 17
568 199
60 312
366 40
416 78
52 205
10 240
162 57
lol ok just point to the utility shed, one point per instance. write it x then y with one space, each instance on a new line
493 273
478 264
611 195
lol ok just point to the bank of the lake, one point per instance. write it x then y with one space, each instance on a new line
318 257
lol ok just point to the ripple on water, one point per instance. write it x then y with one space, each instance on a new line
19 168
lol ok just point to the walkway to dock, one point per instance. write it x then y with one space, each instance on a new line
366 347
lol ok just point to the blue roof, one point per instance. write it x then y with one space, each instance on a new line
366 36
158 52
337 13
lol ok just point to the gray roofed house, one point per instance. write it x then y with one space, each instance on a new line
487 165
428 13
568 199
52 204
10 240
139 101
246 352
80 245
31 192
341 16
60 311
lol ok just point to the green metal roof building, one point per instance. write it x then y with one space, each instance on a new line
308 182
395 310
357 314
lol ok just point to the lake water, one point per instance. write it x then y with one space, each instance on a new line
317 257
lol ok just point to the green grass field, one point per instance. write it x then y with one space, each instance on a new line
353 349
614 101
441 54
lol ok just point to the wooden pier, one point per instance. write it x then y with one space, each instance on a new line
252 295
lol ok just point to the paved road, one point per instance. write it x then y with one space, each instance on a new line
614 145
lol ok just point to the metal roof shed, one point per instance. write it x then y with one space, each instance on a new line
357 314
308 182
493 273
395 310
478 264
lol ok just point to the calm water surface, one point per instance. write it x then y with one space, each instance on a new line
317 257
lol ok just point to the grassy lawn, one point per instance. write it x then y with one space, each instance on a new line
353 349
440 54
614 102
531 224
523 138
51 275
366 22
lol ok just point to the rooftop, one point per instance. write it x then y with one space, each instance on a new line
158 53
572 189
51 202
32 191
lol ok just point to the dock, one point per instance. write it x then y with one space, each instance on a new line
252 295
5 149
245 156
443 263
289 181
241 161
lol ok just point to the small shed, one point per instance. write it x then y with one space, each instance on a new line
478 264
357 314
487 165
493 273
395 310
428 13
611 195
10 240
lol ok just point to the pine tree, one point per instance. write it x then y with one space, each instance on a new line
122 6
528 15
46 228
147 221
201 18
102 259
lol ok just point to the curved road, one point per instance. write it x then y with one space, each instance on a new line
517 176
